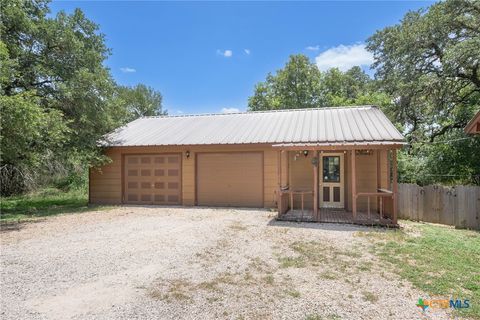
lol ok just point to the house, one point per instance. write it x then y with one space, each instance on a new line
328 164
473 126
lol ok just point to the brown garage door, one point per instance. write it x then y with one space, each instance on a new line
153 179
230 179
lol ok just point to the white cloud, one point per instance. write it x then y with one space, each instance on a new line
344 57
128 70
230 110
313 48
247 51
226 53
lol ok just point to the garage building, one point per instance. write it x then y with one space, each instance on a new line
317 158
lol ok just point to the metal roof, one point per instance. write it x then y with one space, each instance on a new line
335 126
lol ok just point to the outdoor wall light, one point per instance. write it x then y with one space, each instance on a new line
305 153
187 154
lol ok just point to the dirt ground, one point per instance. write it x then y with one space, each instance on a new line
195 263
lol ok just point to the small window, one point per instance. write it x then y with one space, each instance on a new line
331 169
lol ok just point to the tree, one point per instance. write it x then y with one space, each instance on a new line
30 136
451 159
353 87
297 85
301 85
430 63
140 101
56 96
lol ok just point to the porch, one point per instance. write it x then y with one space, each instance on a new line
355 185
328 215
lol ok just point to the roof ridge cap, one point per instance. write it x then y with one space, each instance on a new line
256 111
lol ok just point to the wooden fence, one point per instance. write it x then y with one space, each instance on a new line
457 206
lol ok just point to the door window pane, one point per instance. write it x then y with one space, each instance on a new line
331 169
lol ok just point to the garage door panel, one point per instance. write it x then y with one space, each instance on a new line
230 179
153 179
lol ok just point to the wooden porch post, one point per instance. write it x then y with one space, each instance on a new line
279 169
315 187
379 177
279 183
395 184
354 184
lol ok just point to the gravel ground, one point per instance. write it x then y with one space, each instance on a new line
195 263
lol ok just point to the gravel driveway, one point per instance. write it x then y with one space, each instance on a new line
195 263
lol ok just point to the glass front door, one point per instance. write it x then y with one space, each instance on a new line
331 181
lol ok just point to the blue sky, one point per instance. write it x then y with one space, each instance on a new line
207 56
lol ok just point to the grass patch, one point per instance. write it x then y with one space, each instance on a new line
292 262
365 266
442 261
42 203
369 296
177 289
258 264
315 253
269 279
293 293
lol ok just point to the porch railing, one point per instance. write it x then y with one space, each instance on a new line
382 196
286 200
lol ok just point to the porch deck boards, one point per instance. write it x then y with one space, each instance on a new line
327 215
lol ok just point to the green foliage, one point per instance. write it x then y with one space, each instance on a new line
297 85
140 101
430 64
427 82
301 85
28 129
57 98
451 159
42 203
30 137
439 260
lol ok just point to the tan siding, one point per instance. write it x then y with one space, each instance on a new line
366 177
284 168
270 176
106 184
301 176
188 180
348 180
